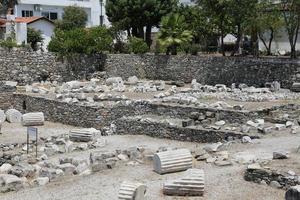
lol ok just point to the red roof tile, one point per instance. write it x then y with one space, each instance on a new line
27 19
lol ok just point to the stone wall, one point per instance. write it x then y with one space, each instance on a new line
26 66
96 116
207 70
126 126
271 177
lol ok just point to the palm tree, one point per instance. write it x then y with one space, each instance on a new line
173 33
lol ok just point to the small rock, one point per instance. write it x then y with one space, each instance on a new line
280 155
223 163
246 139
40 181
275 184
5 168
280 127
212 147
220 123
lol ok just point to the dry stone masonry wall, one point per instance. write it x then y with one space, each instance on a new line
26 66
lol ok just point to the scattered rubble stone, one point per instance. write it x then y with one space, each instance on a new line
280 155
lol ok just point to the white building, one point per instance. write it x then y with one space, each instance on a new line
19 26
53 9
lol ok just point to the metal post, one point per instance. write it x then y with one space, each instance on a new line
36 145
27 142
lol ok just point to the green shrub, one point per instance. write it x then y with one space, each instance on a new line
73 17
34 37
81 41
8 43
138 45
100 40
121 47
194 49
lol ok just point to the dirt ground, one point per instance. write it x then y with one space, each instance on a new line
221 183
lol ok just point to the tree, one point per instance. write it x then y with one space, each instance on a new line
34 37
268 22
217 13
5 5
73 17
204 31
99 40
134 15
291 15
239 12
174 33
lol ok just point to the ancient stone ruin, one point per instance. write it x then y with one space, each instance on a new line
119 135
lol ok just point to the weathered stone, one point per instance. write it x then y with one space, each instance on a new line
275 184
13 116
81 135
172 161
280 155
67 168
293 193
212 147
2 116
192 184
220 123
132 190
246 139
5 168
33 119
40 181
10 182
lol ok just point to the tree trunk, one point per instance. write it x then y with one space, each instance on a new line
270 42
222 38
141 33
238 40
293 51
254 43
134 32
148 35
128 32
173 50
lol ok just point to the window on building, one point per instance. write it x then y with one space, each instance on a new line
27 13
50 15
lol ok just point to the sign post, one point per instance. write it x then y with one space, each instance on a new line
32 134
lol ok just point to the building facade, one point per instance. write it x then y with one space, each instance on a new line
53 9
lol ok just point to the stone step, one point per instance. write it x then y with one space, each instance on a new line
172 161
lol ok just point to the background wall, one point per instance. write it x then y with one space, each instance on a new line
27 67
207 70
